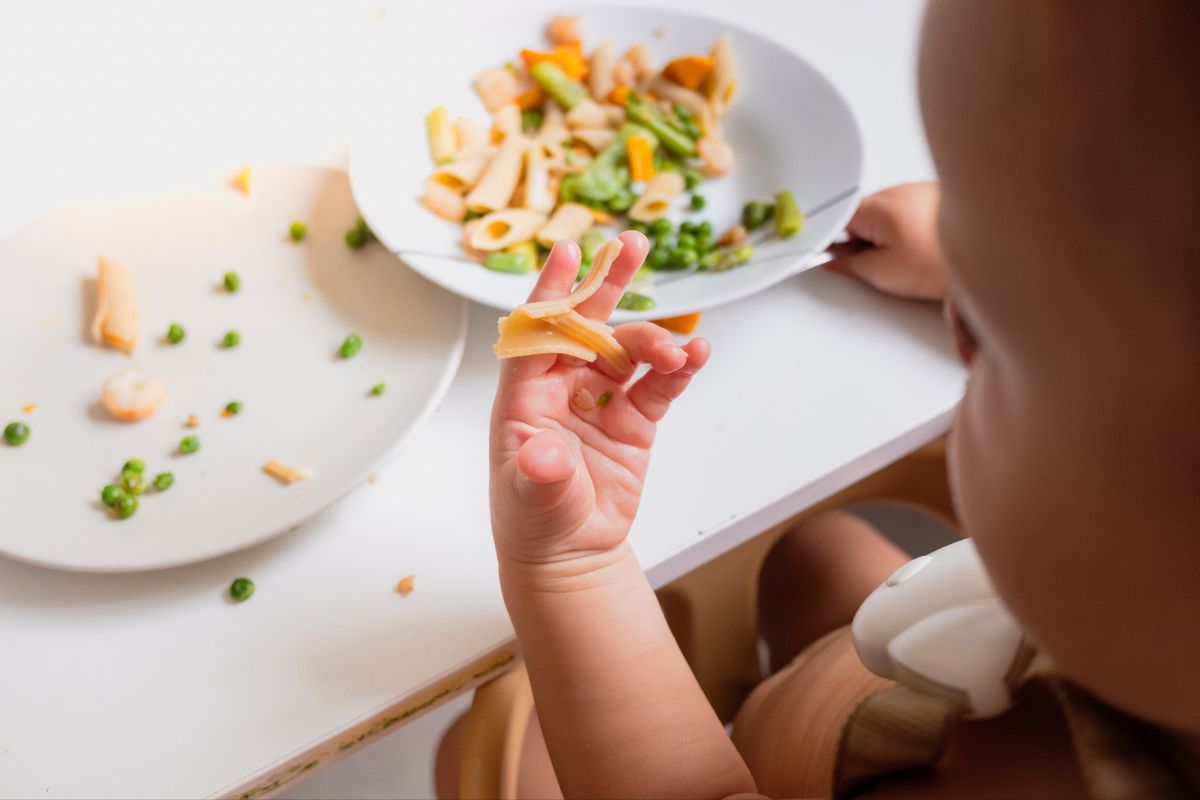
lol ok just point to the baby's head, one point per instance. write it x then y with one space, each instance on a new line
1067 140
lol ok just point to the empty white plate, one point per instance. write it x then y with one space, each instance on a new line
302 403
791 129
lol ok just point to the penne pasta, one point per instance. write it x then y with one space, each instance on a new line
501 229
538 196
499 180
461 175
551 137
496 87
656 200
588 114
595 138
600 74
694 102
506 123
615 114
115 322
723 81
638 57
447 203
569 221
469 136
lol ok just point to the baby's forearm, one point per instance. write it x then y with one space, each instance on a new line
621 711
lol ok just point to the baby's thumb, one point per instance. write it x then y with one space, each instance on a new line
542 477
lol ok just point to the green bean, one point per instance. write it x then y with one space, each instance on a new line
189 444
126 507
789 219
163 481
698 202
232 281
16 433
175 333
298 231
688 122
755 214
632 301
231 339
241 589
351 346
564 91
378 389
507 262
134 465
111 495
643 113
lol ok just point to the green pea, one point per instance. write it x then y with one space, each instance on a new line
703 243
621 202
132 483
698 202
378 389
658 258
175 333
16 433
687 227
232 281
351 346
682 257
691 179
298 231
705 229
126 507
640 227
632 301
756 213
231 339
687 241
189 444
603 399
710 260
163 481
241 589
661 226
359 235
134 465
111 495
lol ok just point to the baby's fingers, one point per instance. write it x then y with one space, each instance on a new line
600 305
653 393
646 343
558 275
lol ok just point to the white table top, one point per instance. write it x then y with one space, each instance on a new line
153 685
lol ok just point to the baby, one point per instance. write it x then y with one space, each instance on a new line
1064 240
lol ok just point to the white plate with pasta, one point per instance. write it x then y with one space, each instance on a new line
739 160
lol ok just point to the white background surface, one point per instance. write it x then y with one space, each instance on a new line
153 685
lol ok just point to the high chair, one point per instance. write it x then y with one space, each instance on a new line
713 612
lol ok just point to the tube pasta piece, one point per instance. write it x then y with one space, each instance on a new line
722 83
600 74
624 73
496 87
443 145
588 114
694 102
638 57
286 473
504 228
443 201
564 30
554 326
470 136
506 124
129 397
538 196
615 114
551 136
569 221
499 180
462 174
656 200
717 155
115 322
595 138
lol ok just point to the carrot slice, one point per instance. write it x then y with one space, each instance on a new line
688 71
619 95
641 158
685 323
568 59
533 97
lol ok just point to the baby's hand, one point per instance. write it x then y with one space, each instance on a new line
570 443
894 243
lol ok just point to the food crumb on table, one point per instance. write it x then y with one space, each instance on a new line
192 421
241 181
405 586
29 408
285 472
374 479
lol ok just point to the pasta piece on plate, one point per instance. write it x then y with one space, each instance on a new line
569 221
656 200
496 185
504 228
115 322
